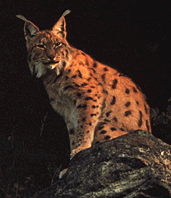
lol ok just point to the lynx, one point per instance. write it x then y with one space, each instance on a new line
97 102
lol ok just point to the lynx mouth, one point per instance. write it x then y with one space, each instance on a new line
51 62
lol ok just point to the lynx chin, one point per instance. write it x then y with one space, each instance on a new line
97 102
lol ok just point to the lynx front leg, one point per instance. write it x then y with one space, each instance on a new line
88 112
84 134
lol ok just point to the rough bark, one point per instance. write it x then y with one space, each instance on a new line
133 165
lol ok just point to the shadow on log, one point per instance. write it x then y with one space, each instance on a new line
131 166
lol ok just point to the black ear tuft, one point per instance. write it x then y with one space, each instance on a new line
29 28
60 27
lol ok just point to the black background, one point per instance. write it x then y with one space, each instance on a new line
132 36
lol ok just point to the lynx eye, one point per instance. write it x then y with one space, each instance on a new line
57 44
41 46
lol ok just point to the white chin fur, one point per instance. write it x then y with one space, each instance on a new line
40 70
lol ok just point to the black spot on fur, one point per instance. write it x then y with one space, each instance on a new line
105 91
76 85
71 131
121 129
140 120
69 70
113 100
115 119
90 124
94 64
137 102
63 63
79 95
93 70
89 90
105 69
84 84
114 83
127 104
68 87
92 86
103 77
74 76
146 109
66 77
88 98
108 113
82 106
87 63
106 120
113 129
127 91
72 64
147 125
127 113
83 54
100 127
135 90
93 114
84 119
107 137
88 79
93 106
103 104
88 131
103 132
79 73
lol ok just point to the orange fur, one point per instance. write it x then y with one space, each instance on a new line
97 102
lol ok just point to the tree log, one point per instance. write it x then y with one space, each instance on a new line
131 166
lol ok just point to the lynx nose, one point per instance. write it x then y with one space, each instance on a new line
51 56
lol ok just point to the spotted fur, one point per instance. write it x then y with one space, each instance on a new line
97 102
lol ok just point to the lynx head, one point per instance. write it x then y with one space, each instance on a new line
48 50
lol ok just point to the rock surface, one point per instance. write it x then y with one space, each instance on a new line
134 165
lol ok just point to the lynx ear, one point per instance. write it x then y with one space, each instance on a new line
60 26
29 28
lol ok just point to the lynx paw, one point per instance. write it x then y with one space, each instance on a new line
77 150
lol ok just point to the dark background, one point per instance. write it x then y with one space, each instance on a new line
132 36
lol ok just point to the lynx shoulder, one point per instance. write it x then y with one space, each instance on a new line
97 102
